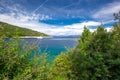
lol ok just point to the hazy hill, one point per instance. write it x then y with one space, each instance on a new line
7 30
67 36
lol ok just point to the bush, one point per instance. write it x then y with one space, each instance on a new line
61 67
97 57
16 62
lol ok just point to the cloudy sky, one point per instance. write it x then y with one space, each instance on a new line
59 17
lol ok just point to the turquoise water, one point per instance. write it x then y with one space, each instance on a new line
53 46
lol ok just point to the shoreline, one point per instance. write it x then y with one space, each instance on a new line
38 37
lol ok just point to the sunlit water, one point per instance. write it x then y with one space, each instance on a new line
53 46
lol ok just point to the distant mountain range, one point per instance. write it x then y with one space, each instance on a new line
8 30
68 36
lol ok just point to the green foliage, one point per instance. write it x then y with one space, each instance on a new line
7 30
84 41
97 57
16 62
61 67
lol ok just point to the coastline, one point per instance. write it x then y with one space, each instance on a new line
38 37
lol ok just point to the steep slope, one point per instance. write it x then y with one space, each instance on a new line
7 30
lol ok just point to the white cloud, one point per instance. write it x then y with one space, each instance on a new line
109 29
107 11
81 25
74 29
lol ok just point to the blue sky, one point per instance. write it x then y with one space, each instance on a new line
59 17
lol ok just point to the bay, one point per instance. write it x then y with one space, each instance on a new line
53 46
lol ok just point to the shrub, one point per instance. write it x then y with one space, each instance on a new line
16 62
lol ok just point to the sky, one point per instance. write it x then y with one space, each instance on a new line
59 17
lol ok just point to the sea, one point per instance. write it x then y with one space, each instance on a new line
55 45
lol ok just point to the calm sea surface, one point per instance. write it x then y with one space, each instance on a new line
53 46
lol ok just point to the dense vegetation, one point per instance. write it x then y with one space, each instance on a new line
7 30
96 57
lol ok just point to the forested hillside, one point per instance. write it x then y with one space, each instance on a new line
7 30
